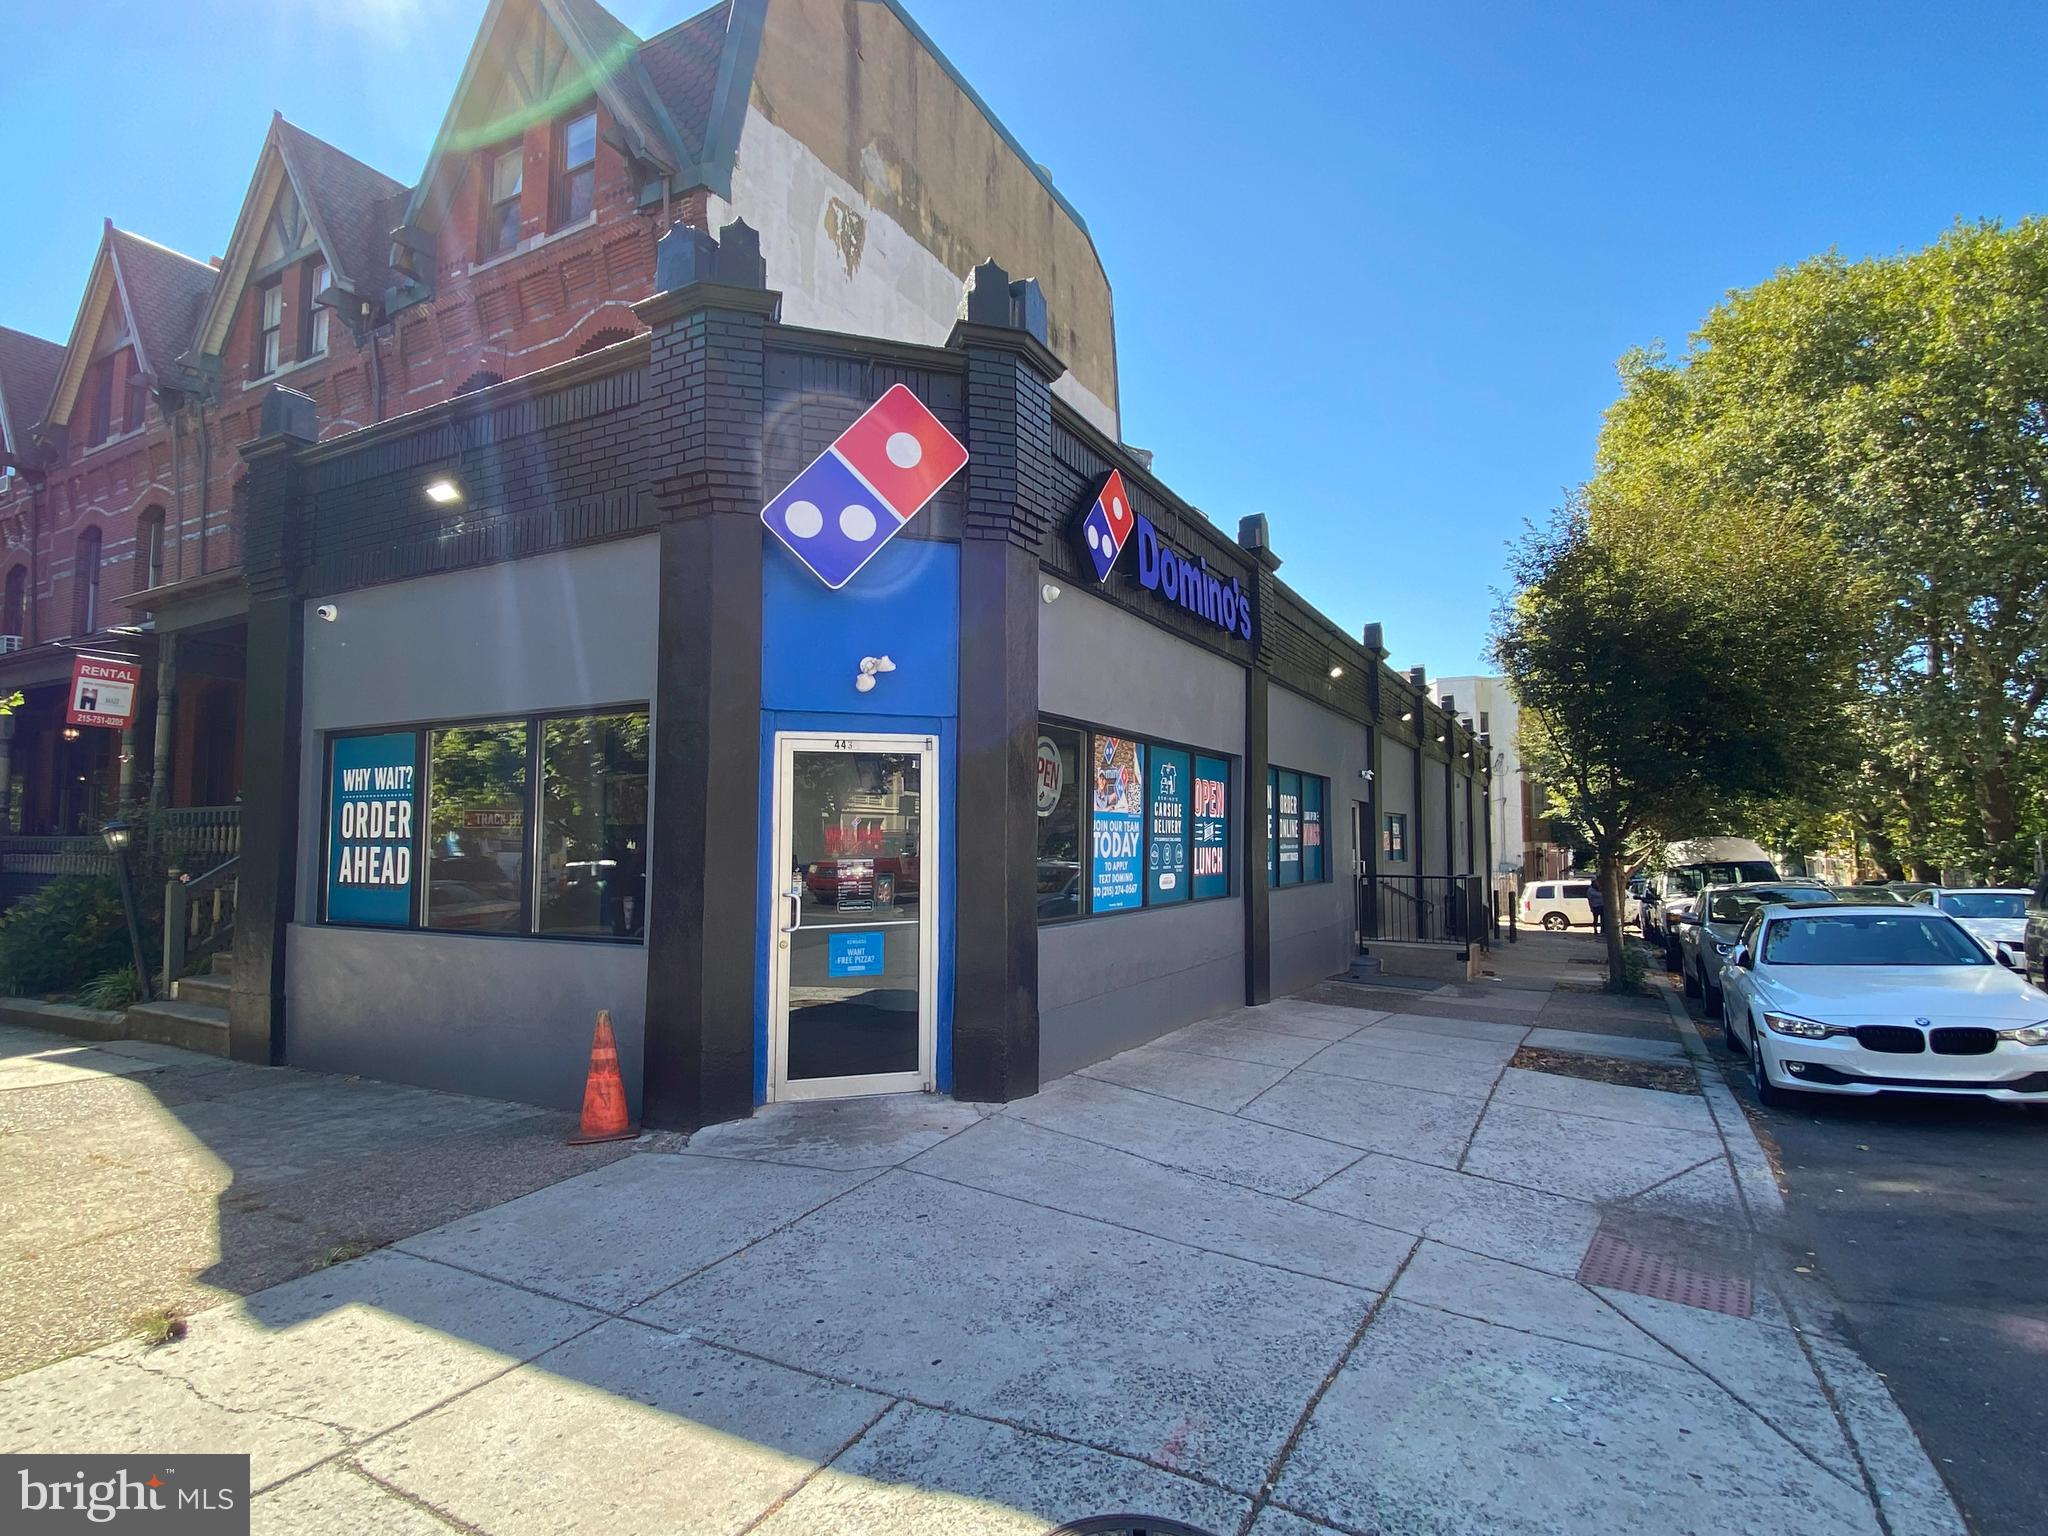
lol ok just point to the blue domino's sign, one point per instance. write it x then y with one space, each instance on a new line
1188 581
372 803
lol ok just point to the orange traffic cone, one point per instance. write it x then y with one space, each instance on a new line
604 1091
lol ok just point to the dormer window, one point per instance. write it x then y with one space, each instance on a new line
270 326
501 223
575 167
319 288
102 384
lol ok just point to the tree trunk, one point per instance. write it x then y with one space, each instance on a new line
1608 873
1882 853
1998 818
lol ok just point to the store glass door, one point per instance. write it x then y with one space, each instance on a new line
854 916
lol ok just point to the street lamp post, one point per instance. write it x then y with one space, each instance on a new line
118 834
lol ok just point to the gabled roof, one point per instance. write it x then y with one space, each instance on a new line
349 206
28 372
160 291
608 61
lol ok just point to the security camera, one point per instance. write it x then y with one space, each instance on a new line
328 612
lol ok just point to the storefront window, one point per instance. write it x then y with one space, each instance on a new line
476 828
593 832
1287 792
1125 823
1295 852
1059 822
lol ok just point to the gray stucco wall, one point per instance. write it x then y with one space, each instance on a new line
1430 837
479 1013
1314 928
1394 780
1108 983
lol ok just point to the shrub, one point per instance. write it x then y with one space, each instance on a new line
1635 969
63 936
111 991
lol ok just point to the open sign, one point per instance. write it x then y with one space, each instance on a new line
1051 775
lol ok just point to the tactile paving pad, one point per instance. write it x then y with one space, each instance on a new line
1621 1266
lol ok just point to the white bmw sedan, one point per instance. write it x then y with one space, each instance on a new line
1849 998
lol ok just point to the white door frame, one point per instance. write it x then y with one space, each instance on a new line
780 904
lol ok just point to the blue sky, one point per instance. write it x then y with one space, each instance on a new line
1373 263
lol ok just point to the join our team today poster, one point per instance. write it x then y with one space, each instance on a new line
1116 872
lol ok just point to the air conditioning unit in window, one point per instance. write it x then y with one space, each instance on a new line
9 643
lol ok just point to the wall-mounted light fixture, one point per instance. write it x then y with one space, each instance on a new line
1439 738
1407 715
1336 671
443 493
71 733
869 666
1050 592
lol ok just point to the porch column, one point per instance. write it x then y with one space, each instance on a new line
705 380
161 766
6 771
1008 518
271 728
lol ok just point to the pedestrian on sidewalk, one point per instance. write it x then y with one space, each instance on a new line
1597 900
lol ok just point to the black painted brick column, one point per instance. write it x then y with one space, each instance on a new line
704 398
1258 930
272 723
1010 509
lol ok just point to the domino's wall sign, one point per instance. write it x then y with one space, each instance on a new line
1109 523
861 491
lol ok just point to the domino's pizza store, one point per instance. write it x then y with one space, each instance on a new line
840 716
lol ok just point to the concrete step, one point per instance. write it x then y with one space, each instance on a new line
209 990
224 962
194 1026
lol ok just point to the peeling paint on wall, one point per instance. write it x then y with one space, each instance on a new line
847 230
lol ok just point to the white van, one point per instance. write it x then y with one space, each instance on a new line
1558 905
1689 868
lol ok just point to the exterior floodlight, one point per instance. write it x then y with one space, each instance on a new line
443 493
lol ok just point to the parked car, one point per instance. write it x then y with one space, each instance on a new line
1995 917
1877 893
1557 905
1864 998
1690 868
2037 935
1708 934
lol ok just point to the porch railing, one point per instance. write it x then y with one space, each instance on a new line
192 837
1423 909
199 917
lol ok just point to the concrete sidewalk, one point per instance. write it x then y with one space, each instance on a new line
1312 1266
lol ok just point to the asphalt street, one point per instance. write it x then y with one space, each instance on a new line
1929 1220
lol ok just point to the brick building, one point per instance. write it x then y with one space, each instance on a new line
569 144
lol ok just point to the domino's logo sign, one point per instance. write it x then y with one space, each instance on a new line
859 493
1107 525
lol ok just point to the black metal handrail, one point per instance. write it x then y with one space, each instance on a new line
1423 909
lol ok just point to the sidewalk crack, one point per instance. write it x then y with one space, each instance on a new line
1264 1496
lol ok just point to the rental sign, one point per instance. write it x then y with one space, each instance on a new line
103 691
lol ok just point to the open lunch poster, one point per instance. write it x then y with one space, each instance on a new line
371 813
1116 876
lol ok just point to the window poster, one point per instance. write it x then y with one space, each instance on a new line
371 802
1272 829
1289 840
1211 828
1117 826
1166 856
1311 829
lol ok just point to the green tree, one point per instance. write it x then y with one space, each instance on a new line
1674 668
1903 400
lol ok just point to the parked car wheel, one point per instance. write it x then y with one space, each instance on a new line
1729 1037
1710 999
1691 981
1674 959
1556 922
